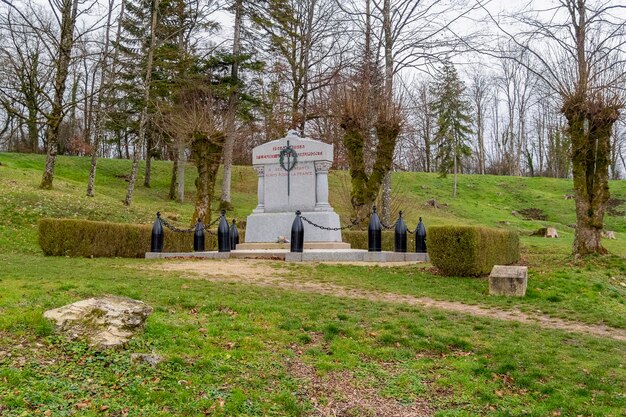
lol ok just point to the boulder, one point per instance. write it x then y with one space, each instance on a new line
104 322
608 234
551 232
509 280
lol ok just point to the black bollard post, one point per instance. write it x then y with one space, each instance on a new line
420 237
374 233
399 244
297 234
156 241
223 234
198 237
234 236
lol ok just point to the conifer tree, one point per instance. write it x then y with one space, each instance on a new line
453 122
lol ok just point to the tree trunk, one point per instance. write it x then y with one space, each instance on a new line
181 173
233 102
386 198
143 121
370 116
174 180
33 128
481 139
590 133
386 185
62 65
306 51
148 171
206 152
105 85
455 171
32 104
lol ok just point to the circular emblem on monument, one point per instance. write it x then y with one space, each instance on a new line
291 157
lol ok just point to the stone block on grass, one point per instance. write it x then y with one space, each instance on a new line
509 280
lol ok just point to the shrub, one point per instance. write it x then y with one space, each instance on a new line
72 237
471 251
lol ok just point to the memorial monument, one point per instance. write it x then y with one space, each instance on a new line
292 175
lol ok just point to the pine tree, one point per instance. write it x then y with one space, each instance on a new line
453 122
156 52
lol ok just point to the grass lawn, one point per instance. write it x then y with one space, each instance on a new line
238 344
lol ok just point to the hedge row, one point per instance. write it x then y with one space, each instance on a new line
72 237
471 251
358 239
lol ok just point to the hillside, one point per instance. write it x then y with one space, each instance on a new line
484 200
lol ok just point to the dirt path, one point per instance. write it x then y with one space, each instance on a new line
268 274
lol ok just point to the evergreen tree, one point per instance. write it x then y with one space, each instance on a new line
453 122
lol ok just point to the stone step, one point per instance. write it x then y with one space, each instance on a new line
310 255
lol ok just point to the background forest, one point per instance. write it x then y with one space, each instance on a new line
415 85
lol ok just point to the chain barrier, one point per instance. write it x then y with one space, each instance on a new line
388 227
191 230
353 223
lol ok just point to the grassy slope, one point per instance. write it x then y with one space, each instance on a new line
462 365
483 200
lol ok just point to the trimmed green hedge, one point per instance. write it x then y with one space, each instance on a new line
72 237
75 237
471 251
358 239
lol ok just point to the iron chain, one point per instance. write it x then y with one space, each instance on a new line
394 225
388 227
191 230
174 228
353 223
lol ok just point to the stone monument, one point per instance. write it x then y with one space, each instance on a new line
292 175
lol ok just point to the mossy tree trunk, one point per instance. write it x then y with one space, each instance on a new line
206 151
365 188
589 127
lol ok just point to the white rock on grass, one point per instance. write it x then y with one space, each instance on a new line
551 232
104 322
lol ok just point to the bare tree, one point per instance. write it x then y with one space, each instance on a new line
24 78
417 137
107 63
578 49
305 44
199 119
68 11
479 95
59 38
143 121
233 104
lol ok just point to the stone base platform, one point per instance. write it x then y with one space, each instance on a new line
266 227
311 255
287 246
